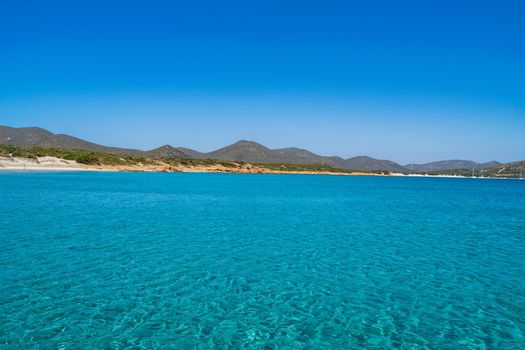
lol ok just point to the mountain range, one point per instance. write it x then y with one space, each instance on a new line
245 151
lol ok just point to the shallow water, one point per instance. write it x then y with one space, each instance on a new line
183 261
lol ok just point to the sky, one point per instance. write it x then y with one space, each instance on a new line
410 81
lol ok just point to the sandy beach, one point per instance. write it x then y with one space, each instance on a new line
57 164
43 164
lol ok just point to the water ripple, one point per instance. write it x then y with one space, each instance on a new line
201 261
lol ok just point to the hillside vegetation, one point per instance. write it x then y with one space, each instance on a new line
36 142
511 170
241 151
79 156
101 159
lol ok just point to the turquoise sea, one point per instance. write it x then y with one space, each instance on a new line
223 261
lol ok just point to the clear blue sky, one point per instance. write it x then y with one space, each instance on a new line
411 81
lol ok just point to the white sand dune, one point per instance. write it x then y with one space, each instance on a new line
42 163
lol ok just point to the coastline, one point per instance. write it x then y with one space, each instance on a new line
155 169
223 171
51 169
53 164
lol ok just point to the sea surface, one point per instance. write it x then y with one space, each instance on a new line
224 261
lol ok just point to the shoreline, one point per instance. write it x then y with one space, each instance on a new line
53 164
185 170
229 171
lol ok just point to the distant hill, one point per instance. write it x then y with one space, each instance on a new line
368 163
450 165
37 137
245 151
515 169
168 151
302 156
510 170
491 164
192 153
249 151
